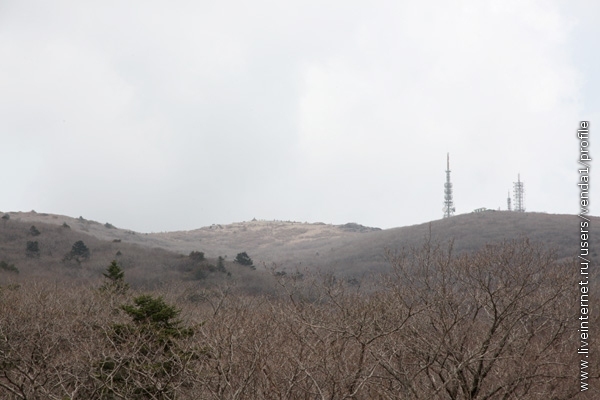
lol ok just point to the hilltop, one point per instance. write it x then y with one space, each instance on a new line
67 250
350 249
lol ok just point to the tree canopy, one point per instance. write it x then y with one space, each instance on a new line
243 259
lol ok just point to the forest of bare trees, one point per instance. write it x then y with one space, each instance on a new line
500 323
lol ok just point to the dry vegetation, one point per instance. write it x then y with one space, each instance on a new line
496 324
145 266
348 249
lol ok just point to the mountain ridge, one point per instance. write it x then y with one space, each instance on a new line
349 248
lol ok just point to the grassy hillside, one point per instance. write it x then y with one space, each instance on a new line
33 250
484 322
351 248
469 232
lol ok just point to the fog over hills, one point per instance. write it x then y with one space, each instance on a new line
350 249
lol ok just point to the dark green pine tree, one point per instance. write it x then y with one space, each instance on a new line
116 278
244 259
158 364
154 313
79 251
221 264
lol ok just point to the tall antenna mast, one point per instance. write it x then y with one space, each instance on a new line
519 192
508 205
448 203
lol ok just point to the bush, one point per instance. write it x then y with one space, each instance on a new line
8 267
199 274
32 249
197 255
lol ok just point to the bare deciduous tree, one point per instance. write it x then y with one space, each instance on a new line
496 324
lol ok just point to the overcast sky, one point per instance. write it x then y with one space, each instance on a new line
160 116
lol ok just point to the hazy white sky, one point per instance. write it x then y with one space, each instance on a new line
159 116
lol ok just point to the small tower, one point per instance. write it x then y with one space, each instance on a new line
508 205
448 203
519 192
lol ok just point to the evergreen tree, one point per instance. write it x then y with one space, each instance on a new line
79 251
221 264
154 314
152 364
244 259
32 249
116 279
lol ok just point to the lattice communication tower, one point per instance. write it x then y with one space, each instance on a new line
508 205
448 203
519 193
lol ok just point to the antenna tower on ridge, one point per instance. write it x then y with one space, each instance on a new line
519 192
448 203
508 205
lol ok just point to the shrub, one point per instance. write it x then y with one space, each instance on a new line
197 255
8 267
199 274
32 249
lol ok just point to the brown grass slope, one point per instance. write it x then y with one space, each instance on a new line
144 266
468 233
351 249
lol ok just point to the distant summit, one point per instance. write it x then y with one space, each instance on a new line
354 227
351 248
